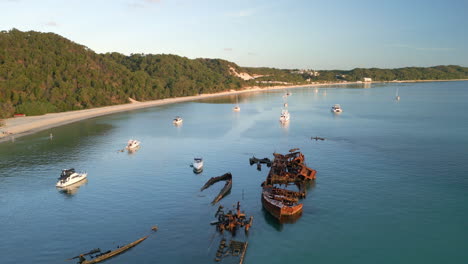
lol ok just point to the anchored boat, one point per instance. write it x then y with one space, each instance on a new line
336 108
69 177
177 121
197 165
132 145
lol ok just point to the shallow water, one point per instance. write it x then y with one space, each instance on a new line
391 185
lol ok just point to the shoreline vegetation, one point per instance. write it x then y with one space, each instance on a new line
20 126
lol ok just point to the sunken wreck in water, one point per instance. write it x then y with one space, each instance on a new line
286 170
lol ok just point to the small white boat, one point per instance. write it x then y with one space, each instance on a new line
197 165
132 144
69 177
397 97
336 108
236 108
178 120
284 117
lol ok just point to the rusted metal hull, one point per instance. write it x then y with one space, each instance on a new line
115 252
277 208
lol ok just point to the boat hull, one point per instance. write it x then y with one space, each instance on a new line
278 209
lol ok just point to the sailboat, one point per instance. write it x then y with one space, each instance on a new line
236 108
397 96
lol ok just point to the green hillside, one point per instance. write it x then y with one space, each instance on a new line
44 72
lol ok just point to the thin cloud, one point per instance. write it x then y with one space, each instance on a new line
405 46
143 3
52 24
243 13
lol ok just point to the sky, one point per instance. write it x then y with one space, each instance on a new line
293 34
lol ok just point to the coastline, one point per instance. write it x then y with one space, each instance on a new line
21 126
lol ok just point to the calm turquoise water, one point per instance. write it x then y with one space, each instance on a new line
392 181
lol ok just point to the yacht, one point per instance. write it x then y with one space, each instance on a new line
178 120
197 165
69 177
132 144
336 108
284 116
397 97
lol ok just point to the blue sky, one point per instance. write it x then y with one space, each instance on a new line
315 34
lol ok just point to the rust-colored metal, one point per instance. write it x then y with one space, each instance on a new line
231 221
225 190
286 170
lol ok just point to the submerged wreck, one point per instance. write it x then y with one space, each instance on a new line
231 221
97 256
224 191
234 249
287 170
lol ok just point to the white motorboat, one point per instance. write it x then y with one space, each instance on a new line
178 120
236 108
336 108
69 177
284 117
132 144
197 165
397 97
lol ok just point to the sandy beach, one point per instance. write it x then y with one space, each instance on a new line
20 126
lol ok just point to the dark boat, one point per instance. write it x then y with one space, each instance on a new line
225 190
114 252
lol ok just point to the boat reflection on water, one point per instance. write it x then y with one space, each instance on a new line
72 189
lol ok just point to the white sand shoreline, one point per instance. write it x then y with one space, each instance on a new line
21 126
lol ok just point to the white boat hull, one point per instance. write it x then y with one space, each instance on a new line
74 178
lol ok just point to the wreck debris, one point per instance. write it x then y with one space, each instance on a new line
224 191
231 221
101 256
254 160
235 249
286 169
317 138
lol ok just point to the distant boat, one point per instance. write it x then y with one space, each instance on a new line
69 177
285 116
132 145
236 108
316 90
397 97
336 108
177 121
197 165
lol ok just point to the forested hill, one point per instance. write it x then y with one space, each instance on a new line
44 72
